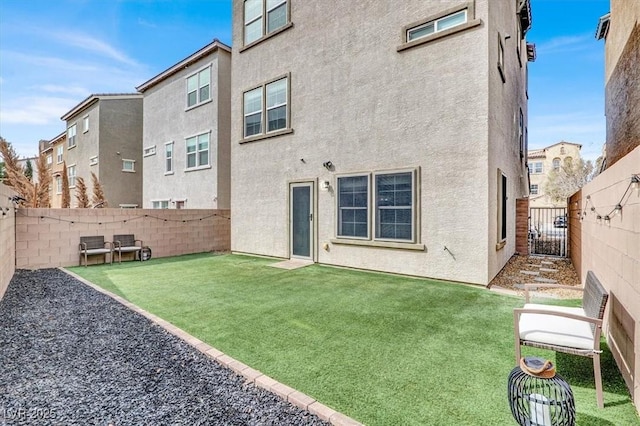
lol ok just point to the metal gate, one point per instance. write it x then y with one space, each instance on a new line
548 231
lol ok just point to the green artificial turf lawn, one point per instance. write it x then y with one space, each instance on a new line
383 349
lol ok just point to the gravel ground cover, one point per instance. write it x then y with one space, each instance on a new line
564 273
72 356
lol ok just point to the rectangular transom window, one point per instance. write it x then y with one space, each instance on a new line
255 24
162 204
198 151
150 150
389 216
437 25
198 87
265 107
71 136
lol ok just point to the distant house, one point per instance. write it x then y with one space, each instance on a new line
104 136
380 135
541 163
186 132
55 153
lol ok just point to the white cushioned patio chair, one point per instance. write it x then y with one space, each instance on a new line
573 331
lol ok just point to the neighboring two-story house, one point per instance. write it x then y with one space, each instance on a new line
186 132
58 156
541 162
104 136
380 135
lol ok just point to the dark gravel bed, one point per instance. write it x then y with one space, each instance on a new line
72 356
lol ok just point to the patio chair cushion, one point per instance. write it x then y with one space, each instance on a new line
554 330
96 251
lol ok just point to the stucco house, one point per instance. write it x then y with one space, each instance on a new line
186 132
104 136
541 162
55 151
380 135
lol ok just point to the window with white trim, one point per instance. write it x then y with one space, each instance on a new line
129 166
556 164
58 184
198 151
71 136
536 167
85 124
49 159
199 87
93 160
388 215
437 25
59 153
533 189
255 26
160 204
150 150
266 108
168 158
71 175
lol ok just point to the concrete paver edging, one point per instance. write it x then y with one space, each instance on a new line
263 381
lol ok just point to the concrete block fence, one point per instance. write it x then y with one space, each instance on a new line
7 238
47 238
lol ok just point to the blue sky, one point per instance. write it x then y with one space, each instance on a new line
53 54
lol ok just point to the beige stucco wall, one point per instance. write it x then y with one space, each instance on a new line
612 251
48 238
359 103
7 238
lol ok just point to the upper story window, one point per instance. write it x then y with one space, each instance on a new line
168 158
150 150
59 153
255 24
521 133
562 150
162 204
93 161
437 25
71 136
556 164
49 159
198 151
265 108
198 87
129 166
536 168
533 189
71 174
85 124
448 21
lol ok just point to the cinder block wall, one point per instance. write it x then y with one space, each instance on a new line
7 238
612 251
47 238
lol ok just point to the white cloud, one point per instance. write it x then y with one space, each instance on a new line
565 44
49 62
68 90
91 44
35 110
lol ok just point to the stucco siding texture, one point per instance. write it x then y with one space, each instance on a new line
363 105
168 120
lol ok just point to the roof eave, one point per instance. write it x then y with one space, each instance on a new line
206 50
